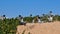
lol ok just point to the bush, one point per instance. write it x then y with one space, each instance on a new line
8 26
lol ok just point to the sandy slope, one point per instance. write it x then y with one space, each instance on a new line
40 28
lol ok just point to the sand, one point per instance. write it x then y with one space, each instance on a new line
40 28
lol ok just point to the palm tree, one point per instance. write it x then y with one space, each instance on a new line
30 15
43 15
19 15
3 15
50 13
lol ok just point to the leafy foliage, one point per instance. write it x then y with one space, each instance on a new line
28 19
8 26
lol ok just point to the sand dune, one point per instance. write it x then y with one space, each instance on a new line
40 28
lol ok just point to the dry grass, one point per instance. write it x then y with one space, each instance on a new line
40 28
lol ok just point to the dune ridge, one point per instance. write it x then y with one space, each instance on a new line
40 28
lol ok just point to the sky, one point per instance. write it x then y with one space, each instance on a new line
13 8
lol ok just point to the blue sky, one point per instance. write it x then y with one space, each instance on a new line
13 8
